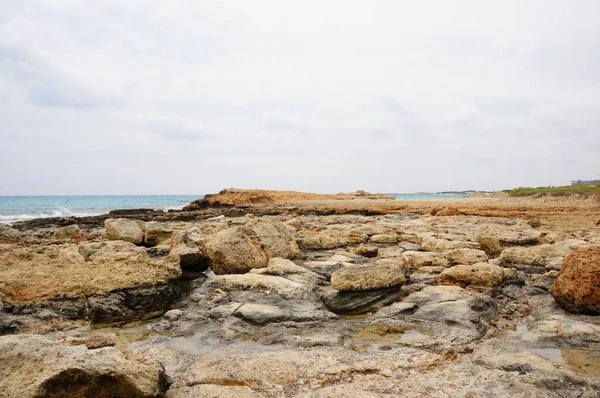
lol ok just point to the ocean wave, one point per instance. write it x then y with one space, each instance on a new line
59 212
167 208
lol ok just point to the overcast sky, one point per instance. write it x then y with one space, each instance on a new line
168 97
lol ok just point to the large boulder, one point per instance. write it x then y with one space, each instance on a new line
577 288
367 277
34 366
123 229
322 240
239 249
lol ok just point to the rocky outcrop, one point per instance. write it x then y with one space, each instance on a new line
388 239
39 273
287 269
240 249
577 288
123 229
365 250
367 277
34 366
68 232
309 240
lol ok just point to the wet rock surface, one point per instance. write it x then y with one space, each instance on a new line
299 303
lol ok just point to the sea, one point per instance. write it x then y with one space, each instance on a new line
20 208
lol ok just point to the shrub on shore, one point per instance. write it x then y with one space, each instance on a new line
585 190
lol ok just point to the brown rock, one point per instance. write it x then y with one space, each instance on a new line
365 251
481 274
239 249
577 288
367 277
33 366
448 211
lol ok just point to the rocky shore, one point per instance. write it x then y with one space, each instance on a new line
268 294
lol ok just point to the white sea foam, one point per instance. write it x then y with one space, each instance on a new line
59 212
167 208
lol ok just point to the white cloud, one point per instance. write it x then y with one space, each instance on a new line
188 97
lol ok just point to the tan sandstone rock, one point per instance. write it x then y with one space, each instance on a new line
123 229
367 277
240 249
481 274
577 288
466 256
33 366
156 233
68 232
414 260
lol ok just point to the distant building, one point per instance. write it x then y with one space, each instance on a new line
585 182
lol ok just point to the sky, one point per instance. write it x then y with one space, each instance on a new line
189 97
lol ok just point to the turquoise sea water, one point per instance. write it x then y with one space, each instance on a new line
18 208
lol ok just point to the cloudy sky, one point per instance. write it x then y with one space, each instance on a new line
168 97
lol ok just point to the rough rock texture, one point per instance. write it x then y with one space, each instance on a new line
68 232
308 240
365 251
481 274
577 288
157 233
8 234
465 256
33 366
367 277
123 229
240 249
75 271
188 246
287 269
384 239
448 211
414 260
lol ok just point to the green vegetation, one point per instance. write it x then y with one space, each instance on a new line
586 190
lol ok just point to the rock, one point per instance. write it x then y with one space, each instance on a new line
68 232
157 233
359 302
481 274
433 244
414 260
69 271
448 211
466 256
341 258
319 241
365 251
384 239
324 268
577 288
240 249
534 259
535 223
287 269
8 234
187 245
294 222
93 341
367 277
490 245
123 229
33 366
